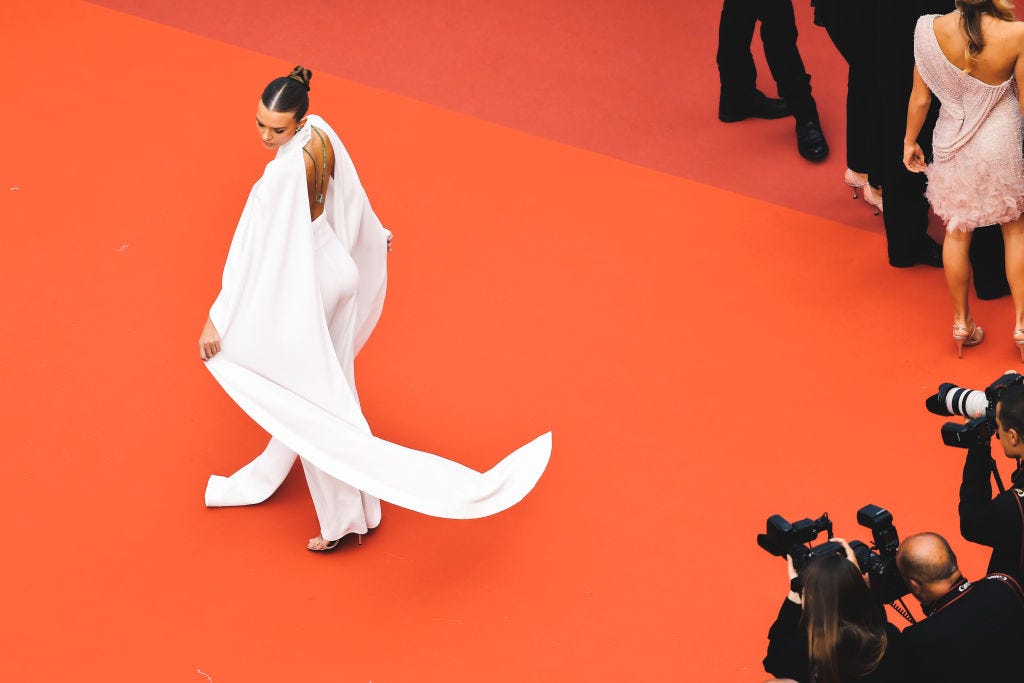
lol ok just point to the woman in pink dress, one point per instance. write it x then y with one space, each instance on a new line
971 60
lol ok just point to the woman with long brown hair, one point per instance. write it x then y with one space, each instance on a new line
971 60
835 630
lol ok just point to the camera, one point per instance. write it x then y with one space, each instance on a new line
878 561
978 406
783 538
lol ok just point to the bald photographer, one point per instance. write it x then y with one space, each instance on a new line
973 631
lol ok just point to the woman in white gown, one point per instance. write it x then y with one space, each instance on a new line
302 289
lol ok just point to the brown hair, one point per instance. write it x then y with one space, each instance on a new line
970 21
845 625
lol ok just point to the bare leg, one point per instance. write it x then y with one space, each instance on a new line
1013 237
957 266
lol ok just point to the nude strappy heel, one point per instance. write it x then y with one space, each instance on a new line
850 178
330 546
873 199
972 336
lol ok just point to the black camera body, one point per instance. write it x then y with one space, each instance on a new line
954 400
877 561
784 538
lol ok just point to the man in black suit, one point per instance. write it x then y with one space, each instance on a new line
740 98
973 631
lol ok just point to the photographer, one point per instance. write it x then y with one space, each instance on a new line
973 631
835 630
997 522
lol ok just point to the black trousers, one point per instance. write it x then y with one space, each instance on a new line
851 24
736 68
906 209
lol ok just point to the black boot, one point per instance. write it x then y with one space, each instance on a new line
755 106
810 140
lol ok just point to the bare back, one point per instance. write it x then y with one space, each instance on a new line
319 156
997 61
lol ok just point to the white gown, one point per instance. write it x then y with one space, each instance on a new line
299 298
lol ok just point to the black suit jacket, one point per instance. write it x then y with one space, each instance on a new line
996 522
975 633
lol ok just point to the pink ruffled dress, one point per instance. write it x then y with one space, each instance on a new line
976 177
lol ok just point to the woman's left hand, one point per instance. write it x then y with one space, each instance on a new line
913 158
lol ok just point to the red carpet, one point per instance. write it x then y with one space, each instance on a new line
704 359
636 81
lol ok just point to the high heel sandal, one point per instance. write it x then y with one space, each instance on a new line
330 546
850 178
1018 339
873 199
964 336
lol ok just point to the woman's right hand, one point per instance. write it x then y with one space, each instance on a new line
209 341
846 547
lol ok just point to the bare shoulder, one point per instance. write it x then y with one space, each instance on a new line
945 22
947 28
1015 29
1011 34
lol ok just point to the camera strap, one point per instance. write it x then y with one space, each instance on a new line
1009 581
961 588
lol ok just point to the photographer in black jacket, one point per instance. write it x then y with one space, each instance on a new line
997 522
973 632
835 631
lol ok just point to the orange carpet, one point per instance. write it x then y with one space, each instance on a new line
704 359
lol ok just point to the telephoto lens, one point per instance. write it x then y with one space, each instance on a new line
954 400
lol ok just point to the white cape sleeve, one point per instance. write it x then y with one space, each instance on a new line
278 362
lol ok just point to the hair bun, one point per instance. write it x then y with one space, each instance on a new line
302 75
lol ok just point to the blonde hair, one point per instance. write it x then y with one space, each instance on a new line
970 22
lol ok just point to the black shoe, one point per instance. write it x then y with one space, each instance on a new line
928 255
811 141
757 106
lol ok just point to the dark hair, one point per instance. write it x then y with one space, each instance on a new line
1011 409
970 21
846 635
289 93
